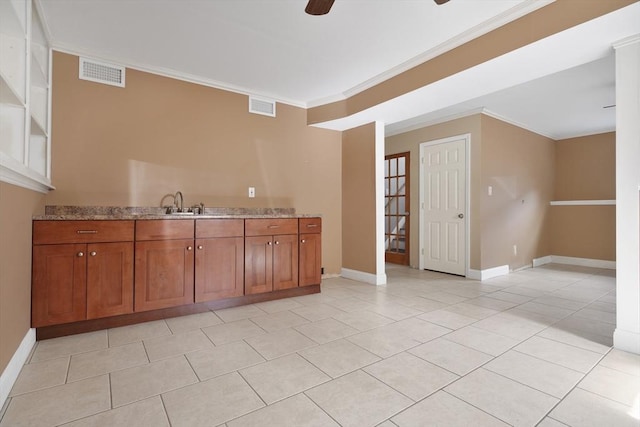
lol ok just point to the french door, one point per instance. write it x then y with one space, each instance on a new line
396 208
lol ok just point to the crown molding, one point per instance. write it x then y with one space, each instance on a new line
497 21
173 74
419 123
627 41
518 124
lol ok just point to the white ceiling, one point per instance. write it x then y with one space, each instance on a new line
273 49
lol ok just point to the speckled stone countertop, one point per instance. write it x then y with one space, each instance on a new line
68 213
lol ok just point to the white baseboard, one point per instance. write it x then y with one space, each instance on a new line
626 341
584 262
489 273
361 276
537 262
11 372
330 276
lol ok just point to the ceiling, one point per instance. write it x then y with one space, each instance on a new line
271 48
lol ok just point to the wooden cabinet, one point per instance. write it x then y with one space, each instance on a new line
59 284
271 255
85 270
219 259
164 264
109 279
310 267
81 270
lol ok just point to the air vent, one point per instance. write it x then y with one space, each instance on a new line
262 106
101 72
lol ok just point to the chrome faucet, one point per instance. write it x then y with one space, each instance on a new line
179 207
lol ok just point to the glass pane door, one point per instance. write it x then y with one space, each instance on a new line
396 180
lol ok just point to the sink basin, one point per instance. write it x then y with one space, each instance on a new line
181 213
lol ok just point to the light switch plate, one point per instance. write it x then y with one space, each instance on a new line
252 192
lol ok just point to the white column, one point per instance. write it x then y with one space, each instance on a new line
381 274
627 334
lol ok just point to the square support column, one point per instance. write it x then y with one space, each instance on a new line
627 334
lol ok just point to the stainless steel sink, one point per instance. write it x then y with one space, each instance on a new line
181 213
178 206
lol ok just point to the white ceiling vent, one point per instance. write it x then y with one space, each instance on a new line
101 72
262 106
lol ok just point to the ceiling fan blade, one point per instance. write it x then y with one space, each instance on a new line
318 7
439 2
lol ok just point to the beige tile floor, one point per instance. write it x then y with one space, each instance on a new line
531 348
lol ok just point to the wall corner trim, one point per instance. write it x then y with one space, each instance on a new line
11 372
489 273
361 276
626 341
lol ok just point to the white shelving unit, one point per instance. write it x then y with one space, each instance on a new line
25 96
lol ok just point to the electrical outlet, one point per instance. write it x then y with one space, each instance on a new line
490 191
515 249
252 192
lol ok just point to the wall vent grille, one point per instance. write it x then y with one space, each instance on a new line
101 72
262 106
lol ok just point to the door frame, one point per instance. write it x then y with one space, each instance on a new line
467 191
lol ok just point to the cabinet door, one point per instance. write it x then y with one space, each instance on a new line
258 265
109 279
285 261
310 259
163 274
219 268
59 284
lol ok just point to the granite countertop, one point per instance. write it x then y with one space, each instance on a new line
60 213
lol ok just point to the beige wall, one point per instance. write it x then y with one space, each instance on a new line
586 170
519 165
410 141
359 199
131 146
17 206
584 232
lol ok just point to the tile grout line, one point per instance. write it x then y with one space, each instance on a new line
576 386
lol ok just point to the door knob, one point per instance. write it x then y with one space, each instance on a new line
460 215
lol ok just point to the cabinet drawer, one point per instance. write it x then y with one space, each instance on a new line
268 227
207 228
310 225
164 229
58 232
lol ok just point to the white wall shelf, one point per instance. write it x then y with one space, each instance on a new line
582 202
25 96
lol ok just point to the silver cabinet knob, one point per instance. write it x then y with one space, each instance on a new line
269 243
277 243
460 215
200 247
93 253
303 241
80 253
189 248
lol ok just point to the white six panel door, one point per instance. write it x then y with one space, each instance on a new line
444 207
